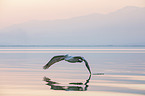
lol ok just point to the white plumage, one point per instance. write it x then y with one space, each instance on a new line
71 59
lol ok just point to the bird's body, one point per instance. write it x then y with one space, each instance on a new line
71 59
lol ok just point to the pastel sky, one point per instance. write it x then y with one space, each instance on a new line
19 11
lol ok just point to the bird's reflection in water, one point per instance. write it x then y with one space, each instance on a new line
70 87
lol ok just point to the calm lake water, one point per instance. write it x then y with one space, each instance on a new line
21 72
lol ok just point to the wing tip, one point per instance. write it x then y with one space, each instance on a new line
45 67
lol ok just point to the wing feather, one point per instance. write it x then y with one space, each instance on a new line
87 65
54 60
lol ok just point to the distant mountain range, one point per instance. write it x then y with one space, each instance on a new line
123 27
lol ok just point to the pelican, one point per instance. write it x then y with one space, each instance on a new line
71 59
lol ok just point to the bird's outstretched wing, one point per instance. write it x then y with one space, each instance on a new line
54 60
87 65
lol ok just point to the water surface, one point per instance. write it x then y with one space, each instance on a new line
22 74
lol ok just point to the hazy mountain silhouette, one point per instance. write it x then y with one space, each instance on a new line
125 26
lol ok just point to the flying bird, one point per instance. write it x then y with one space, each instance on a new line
71 59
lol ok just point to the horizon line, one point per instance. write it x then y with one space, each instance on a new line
104 45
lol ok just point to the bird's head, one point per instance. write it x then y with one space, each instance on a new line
66 55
